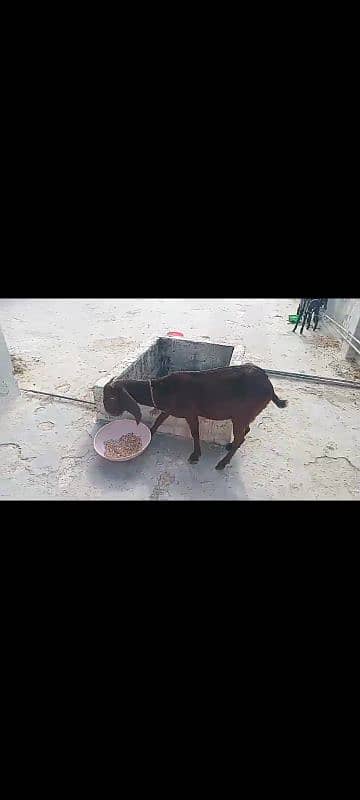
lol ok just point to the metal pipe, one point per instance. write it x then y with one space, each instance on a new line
342 327
60 396
346 336
347 340
313 378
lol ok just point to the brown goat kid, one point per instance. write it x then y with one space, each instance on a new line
238 393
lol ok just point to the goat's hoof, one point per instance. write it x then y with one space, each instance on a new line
220 465
193 459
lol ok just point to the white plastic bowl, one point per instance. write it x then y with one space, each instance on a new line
116 429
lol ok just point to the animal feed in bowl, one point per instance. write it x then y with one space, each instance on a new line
127 445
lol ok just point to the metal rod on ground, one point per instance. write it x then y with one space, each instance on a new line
314 378
60 396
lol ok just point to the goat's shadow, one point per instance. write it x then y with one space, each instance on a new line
163 472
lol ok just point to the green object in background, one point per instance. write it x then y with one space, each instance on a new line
294 318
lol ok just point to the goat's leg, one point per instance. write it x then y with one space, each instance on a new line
303 322
159 421
193 423
229 446
300 315
239 436
316 320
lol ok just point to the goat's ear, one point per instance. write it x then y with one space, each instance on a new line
132 406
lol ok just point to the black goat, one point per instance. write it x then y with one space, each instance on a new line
238 393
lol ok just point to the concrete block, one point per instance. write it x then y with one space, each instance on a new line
162 356
8 385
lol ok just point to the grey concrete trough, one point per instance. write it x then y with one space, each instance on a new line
162 356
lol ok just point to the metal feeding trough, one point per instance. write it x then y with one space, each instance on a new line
160 357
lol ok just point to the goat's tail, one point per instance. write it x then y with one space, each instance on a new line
279 403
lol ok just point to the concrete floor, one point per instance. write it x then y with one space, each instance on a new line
311 450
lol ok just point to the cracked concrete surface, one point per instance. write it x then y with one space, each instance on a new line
311 450
334 458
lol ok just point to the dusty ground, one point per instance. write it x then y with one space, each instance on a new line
311 450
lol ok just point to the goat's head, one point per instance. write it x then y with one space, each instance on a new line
117 400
